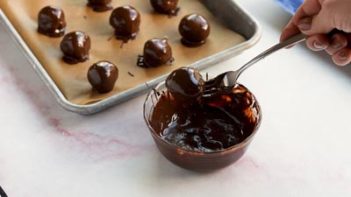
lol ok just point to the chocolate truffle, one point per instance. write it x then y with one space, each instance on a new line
185 84
51 22
100 5
75 47
102 76
168 7
194 30
126 21
157 52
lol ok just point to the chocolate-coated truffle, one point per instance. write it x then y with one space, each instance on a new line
126 21
102 76
194 30
157 52
165 6
185 84
75 47
100 5
51 22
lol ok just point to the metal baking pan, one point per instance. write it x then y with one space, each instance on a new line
227 11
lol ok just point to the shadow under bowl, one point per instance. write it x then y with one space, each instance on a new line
192 160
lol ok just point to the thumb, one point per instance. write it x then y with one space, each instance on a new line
318 24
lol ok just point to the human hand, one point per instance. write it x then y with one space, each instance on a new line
319 19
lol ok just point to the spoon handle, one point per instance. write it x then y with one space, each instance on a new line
289 42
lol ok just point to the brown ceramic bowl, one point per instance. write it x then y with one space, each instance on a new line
196 161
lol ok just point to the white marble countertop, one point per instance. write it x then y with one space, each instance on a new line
302 148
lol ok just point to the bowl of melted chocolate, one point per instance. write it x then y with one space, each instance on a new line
198 132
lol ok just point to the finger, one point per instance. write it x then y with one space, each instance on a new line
290 30
318 24
307 9
338 41
342 57
348 37
318 42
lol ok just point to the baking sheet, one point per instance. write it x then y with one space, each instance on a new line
75 91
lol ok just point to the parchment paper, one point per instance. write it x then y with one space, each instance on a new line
72 80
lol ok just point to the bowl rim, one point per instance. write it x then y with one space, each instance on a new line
233 148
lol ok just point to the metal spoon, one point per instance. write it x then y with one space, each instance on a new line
228 79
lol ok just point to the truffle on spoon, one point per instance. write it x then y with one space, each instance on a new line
185 84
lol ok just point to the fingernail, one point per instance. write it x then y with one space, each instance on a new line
318 45
336 45
305 24
342 55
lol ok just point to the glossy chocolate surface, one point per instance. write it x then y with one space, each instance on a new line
75 47
100 5
185 77
102 76
211 124
51 22
194 30
126 22
169 7
157 52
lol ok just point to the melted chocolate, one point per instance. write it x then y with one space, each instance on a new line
169 7
157 52
194 30
211 124
100 5
75 47
126 21
185 77
51 22
102 76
